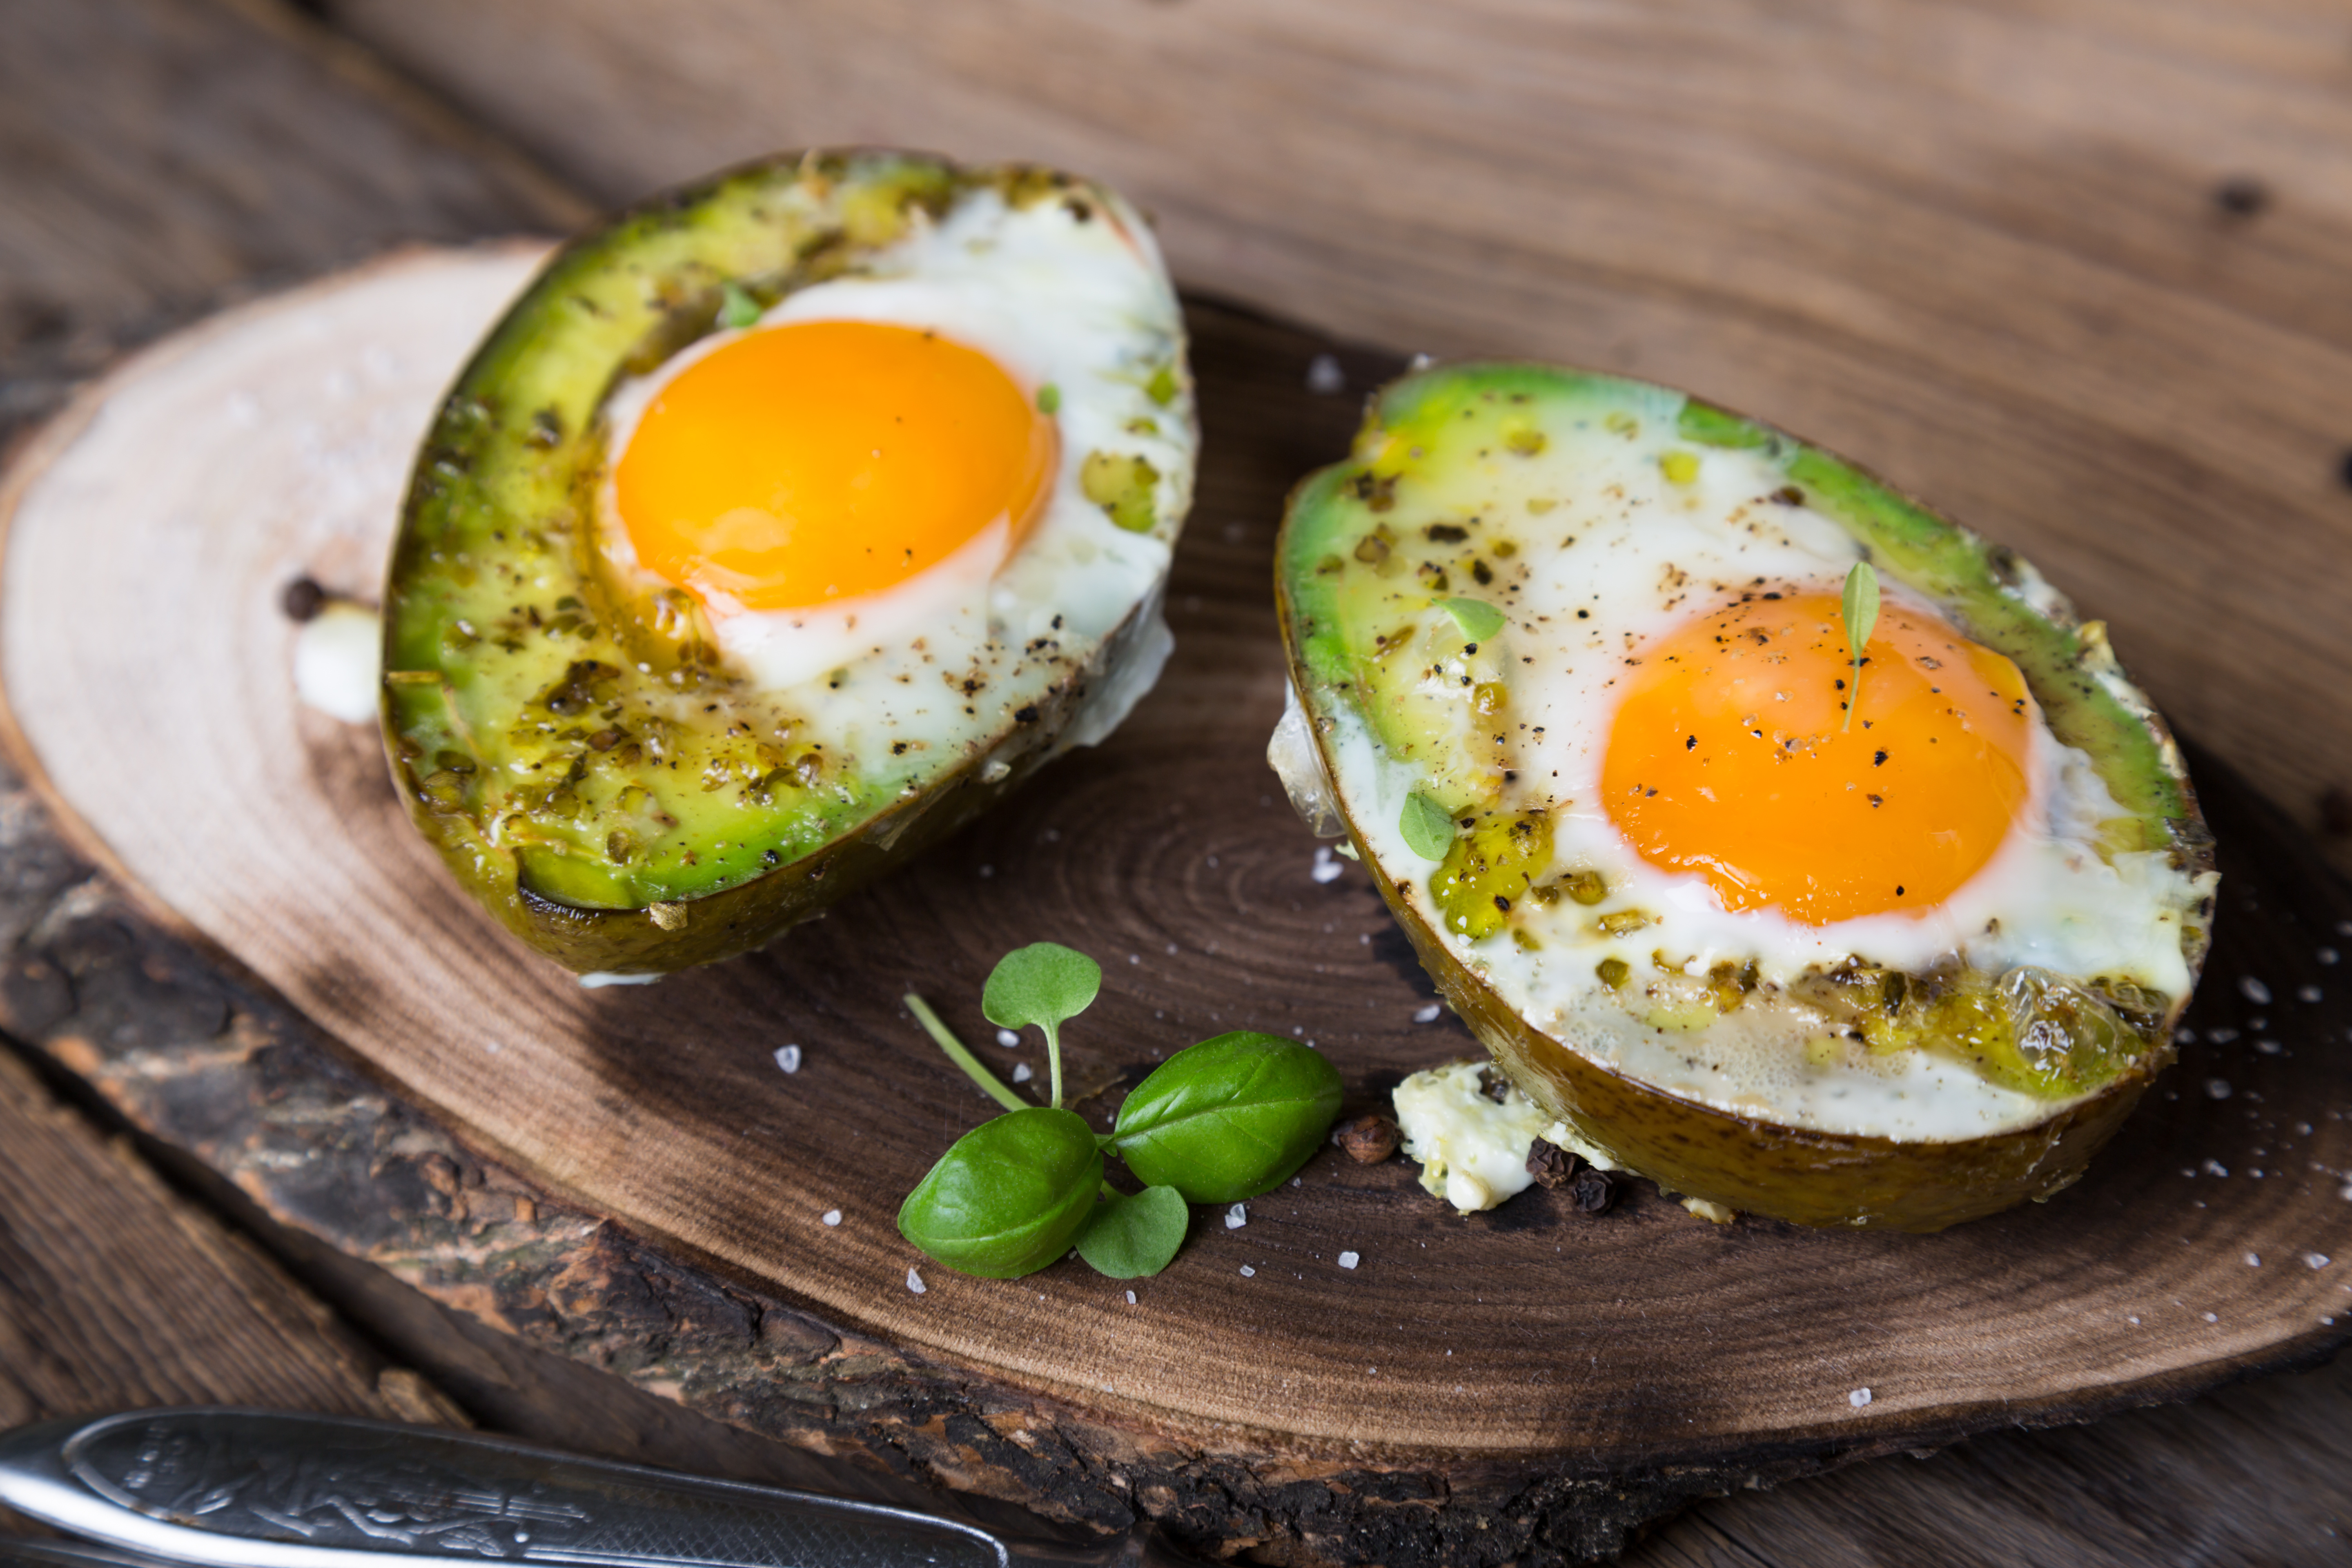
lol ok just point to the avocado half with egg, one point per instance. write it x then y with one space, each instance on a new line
1889 938
783 525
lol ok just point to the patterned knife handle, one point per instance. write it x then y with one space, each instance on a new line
251 1489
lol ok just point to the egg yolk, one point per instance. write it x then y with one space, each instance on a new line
823 460
1726 758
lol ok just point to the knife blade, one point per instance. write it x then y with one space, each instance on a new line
228 1488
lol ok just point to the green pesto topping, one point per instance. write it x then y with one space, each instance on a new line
1488 870
1125 486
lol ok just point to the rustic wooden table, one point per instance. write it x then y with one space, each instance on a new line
188 1178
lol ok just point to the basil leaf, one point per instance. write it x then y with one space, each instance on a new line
1010 1197
1129 1236
1428 831
1475 618
1041 983
1228 1119
736 306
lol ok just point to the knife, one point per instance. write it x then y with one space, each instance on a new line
228 1488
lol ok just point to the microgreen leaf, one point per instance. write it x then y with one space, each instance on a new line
1228 1119
1043 984
1049 399
944 1037
1010 1197
1129 1236
1428 831
736 307
1860 607
1478 619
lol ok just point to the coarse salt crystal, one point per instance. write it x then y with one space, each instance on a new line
2215 1168
1327 865
1237 1216
1858 1398
1007 1038
2253 1260
789 1058
1021 1073
1131 1298
2253 989
2317 1260
1324 376
832 1217
1247 1272
915 1282
2212 1316
1349 1260
2308 993
2219 1088
1427 1015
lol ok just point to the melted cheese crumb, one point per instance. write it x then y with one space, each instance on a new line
1473 1149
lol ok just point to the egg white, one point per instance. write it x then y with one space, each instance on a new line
1080 304
1639 556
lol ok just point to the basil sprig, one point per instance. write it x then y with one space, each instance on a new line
1217 1122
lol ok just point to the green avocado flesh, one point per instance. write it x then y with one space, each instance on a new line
1405 679
573 744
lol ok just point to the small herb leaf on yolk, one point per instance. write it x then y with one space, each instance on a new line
1726 759
823 460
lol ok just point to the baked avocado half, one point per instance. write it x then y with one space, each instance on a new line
1888 930
783 525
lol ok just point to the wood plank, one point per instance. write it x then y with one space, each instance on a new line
163 159
1977 246
115 1293
2172 1485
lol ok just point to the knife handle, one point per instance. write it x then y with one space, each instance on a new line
252 1488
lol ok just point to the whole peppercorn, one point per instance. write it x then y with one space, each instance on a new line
1368 1139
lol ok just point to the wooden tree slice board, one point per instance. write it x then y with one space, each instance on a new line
146 666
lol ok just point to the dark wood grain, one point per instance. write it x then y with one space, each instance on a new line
328 1153
115 1293
163 159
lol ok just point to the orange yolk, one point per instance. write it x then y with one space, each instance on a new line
824 460
1726 758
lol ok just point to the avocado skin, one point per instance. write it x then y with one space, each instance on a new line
525 693
1747 1163
1759 1167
